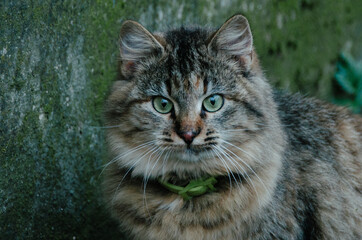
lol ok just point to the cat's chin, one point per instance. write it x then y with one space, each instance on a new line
191 154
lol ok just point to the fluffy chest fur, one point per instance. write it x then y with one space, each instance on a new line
193 103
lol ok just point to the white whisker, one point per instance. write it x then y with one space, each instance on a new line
126 153
228 170
232 162
129 169
165 158
248 179
145 178
247 165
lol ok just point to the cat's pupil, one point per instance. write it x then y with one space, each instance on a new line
164 103
212 100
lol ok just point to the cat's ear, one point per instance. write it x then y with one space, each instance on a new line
233 39
136 43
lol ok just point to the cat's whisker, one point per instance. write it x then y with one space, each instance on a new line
209 155
248 179
133 150
149 175
246 163
125 154
129 169
149 159
232 162
228 170
158 158
165 158
145 178
135 163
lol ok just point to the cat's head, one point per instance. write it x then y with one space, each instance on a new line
190 100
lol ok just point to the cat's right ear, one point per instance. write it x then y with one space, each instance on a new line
136 43
233 39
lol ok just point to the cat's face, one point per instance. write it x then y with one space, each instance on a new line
189 100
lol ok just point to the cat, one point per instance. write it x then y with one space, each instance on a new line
201 146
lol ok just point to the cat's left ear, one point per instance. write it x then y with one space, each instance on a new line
233 39
136 44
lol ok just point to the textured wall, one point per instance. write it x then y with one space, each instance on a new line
57 60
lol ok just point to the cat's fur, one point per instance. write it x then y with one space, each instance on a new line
288 167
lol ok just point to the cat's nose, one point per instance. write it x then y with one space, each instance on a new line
188 136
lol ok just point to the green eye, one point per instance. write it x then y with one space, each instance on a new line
213 103
162 105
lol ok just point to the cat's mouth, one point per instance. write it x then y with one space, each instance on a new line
193 149
192 153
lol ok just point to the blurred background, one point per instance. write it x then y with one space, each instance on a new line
59 58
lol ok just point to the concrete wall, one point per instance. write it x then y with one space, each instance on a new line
58 59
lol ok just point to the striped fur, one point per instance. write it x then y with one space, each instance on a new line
288 167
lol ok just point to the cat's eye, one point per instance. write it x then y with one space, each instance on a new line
213 103
162 105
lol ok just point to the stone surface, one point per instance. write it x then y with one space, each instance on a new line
57 61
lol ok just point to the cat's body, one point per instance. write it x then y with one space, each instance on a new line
287 167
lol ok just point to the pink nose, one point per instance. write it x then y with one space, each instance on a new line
188 136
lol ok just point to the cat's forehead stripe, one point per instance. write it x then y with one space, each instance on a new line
184 58
168 85
206 83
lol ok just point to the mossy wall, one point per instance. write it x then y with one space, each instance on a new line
58 59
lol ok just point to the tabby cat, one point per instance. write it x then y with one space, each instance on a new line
201 147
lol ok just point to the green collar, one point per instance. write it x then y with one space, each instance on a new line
193 189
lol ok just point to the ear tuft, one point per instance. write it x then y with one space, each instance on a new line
136 43
233 39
